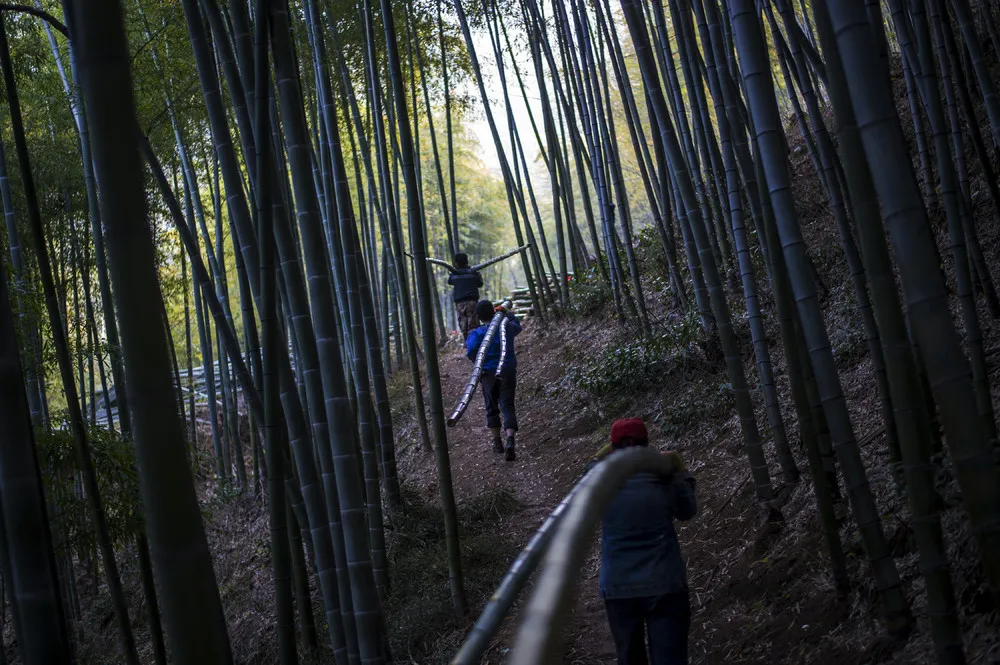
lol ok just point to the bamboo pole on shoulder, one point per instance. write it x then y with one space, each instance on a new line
477 642
477 366
538 635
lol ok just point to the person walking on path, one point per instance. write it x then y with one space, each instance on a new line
499 378
643 579
465 284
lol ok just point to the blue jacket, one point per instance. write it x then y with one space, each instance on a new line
466 283
640 555
492 359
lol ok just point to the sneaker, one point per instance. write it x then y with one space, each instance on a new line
497 446
509 453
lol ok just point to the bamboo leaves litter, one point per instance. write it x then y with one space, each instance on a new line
478 640
477 368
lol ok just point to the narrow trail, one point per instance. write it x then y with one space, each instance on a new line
554 445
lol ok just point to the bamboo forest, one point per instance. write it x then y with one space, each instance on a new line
260 257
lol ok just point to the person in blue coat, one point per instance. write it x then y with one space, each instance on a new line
499 381
643 579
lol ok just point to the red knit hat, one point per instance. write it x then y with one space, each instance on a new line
629 432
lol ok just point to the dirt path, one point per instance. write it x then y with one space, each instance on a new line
552 451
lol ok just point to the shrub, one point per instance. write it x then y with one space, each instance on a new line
589 294
117 480
638 363
649 252
694 406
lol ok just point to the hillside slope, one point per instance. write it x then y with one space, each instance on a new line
760 593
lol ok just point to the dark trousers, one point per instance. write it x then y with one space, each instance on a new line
498 394
467 317
665 618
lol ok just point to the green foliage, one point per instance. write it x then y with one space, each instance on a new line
694 406
636 363
117 478
589 294
400 394
652 260
649 253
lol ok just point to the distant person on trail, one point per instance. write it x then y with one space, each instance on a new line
643 579
498 387
465 292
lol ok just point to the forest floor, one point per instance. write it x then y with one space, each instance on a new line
759 595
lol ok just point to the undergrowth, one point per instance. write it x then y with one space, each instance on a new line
423 627
699 404
400 394
630 364
117 478
650 255
588 294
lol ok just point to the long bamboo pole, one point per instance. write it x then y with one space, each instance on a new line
477 368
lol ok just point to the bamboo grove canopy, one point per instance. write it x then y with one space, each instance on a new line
220 215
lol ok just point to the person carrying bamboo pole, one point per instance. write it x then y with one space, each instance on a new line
643 579
465 282
499 378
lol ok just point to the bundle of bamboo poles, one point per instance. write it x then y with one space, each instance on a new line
477 368
520 296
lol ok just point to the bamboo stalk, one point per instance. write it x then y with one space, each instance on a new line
478 640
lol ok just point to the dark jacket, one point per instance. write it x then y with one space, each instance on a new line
492 359
640 555
466 283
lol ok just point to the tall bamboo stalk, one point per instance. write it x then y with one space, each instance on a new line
418 245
